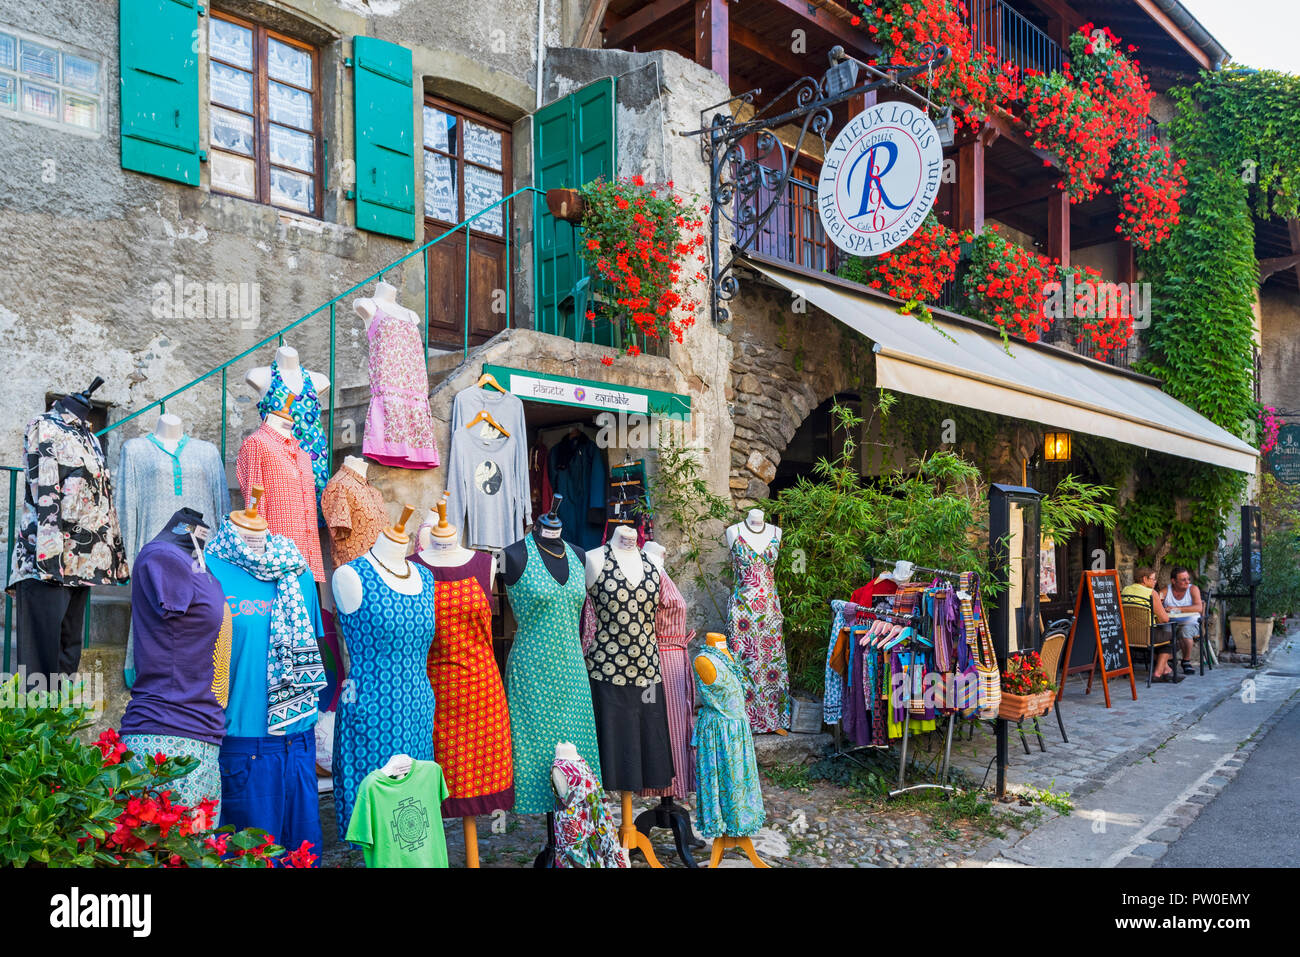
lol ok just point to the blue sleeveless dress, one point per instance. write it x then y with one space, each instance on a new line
386 704
729 798
546 678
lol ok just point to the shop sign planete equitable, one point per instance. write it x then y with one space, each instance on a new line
880 178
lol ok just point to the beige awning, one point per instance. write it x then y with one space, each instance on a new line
967 366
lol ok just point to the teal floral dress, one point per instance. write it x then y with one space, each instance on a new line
307 427
729 800
755 639
546 678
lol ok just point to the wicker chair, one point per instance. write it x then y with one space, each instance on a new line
1052 653
1137 623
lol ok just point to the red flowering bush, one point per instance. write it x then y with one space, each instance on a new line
1105 322
1151 185
1064 119
1024 674
914 271
78 805
640 238
1004 286
1110 78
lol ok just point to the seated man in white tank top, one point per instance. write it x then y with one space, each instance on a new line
1180 596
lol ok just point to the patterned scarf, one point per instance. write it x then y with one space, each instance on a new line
294 672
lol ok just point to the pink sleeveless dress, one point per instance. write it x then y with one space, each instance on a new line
399 428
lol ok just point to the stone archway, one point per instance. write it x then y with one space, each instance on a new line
785 363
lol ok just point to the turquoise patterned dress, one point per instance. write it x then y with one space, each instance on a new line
729 800
386 704
546 678
307 427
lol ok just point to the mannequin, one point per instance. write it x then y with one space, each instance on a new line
471 735
168 431
754 530
564 751
286 360
707 672
668 814
356 464
385 298
388 557
282 421
755 622
547 537
250 524
626 555
388 621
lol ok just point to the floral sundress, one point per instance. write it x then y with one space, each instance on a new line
755 639
585 833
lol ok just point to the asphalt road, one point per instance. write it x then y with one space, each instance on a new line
1252 823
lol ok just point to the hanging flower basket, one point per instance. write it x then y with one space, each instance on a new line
1015 707
566 204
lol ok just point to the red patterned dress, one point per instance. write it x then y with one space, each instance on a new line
471 725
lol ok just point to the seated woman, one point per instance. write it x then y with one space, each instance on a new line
1142 593
1180 595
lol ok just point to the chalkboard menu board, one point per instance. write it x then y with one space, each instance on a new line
1098 633
1284 459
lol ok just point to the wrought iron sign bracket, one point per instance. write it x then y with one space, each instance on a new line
734 174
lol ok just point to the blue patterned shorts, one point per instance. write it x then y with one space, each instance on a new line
202 782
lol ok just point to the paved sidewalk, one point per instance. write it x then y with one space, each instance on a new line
1131 817
1102 740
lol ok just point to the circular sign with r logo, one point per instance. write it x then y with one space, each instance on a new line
880 178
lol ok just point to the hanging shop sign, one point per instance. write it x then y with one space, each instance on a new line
1284 459
880 178
590 394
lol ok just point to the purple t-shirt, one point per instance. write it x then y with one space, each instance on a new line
182 645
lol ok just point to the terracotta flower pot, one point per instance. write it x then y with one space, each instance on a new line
566 204
1015 707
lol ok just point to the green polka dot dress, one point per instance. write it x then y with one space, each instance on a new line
546 678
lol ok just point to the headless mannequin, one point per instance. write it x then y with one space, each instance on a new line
622 545
442 548
168 431
755 530
385 298
708 673
358 465
388 558
564 751
757 534
282 422
249 523
286 360
546 535
667 814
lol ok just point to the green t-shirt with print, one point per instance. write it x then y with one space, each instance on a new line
398 821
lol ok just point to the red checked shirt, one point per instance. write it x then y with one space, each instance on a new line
279 464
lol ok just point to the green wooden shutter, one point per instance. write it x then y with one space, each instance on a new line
160 88
573 143
385 137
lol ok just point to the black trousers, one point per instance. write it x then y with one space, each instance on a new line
50 621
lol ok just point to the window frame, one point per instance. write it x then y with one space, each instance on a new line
506 172
60 86
262 165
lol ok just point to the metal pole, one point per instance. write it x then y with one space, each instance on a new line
466 339
334 389
9 544
1254 660
224 417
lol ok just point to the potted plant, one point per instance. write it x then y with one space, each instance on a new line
566 204
645 242
1027 691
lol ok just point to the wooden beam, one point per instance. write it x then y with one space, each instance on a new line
1267 267
970 186
1059 10
638 21
828 23
1058 228
1171 28
1127 268
1021 196
713 37
742 36
592 23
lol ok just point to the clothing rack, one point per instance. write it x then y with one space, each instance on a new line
941 572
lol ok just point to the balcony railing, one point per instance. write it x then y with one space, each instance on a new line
1013 38
793 232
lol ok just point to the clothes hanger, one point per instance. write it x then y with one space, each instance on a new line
397 765
487 378
485 416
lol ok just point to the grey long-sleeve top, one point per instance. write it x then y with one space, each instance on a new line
487 476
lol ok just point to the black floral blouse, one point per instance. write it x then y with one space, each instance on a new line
69 532
626 651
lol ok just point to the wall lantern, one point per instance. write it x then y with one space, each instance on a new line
1056 447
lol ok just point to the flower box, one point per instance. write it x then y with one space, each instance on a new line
1015 707
1240 630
